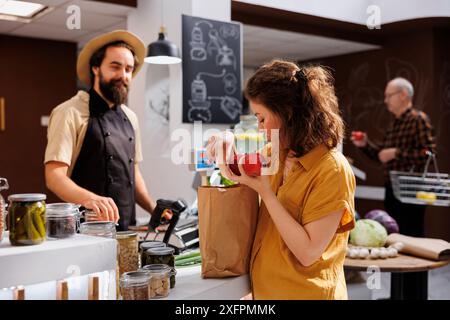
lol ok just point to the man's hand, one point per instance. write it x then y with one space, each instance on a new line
387 155
104 207
359 139
57 180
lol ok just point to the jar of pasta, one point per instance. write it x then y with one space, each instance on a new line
159 279
128 251
135 285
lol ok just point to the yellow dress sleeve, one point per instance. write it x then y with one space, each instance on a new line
333 190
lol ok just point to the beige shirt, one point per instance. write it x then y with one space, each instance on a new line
67 128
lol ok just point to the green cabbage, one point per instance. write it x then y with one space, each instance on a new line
368 233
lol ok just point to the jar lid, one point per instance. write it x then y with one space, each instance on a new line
126 234
152 244
61 210
160 251
27 197
135 277
157 268
98 225
247 117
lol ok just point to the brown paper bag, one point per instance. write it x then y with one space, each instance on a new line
227 220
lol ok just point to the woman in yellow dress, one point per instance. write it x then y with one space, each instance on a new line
307 208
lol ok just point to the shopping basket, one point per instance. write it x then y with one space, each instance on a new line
422 188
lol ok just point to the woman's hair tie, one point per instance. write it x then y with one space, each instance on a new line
301 76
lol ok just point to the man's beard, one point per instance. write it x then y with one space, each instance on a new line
116 91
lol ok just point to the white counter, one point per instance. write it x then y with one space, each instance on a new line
55 259
37 267
190 286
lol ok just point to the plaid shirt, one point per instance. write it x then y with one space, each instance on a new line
410 134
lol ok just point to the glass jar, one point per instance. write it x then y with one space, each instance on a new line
159 280
89 215
63 220
106 229
162 256
135 285
3 186
144 246
247 122
128 251
247 137
26 219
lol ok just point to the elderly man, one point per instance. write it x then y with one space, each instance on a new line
402 149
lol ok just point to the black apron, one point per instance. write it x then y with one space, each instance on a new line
105 165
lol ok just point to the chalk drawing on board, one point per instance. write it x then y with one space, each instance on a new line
198 46
229 31
199 114
230 83
216 45
224 54
230 106
199 104
211 71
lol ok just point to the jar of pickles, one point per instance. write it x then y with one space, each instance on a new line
63 220
135 285
159 280
3 186
162 255
128 251
144 246
26 219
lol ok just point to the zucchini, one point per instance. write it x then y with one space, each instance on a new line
188 261
187 256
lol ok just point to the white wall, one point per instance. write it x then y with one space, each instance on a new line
248 72
165 179
355 10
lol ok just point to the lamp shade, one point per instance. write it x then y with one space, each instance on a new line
162 51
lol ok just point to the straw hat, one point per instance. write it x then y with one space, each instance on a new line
83 68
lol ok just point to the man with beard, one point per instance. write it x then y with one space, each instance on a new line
94 146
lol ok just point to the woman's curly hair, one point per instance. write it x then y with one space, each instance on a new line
305 101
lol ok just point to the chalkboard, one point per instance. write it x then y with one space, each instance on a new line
212 71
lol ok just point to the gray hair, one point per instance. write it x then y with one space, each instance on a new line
404 84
